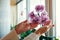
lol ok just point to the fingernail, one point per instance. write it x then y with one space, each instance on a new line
52 25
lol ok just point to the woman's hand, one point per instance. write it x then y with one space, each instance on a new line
45 28
24 26
37 34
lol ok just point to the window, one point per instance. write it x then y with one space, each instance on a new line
25 6
21 11
33 3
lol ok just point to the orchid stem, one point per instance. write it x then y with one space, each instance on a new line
38 14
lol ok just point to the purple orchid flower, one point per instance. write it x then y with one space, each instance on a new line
44 17
36 19
41 19
39 8
32 15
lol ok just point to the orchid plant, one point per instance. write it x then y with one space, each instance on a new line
41 17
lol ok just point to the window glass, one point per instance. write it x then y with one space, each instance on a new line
21 11
33 3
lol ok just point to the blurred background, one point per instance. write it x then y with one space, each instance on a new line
13 12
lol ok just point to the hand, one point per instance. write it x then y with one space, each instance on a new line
44 29
24 26
37 34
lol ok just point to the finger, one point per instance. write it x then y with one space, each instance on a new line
33 25
47 23
50 26
24 21
22 27
21 30
41 30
